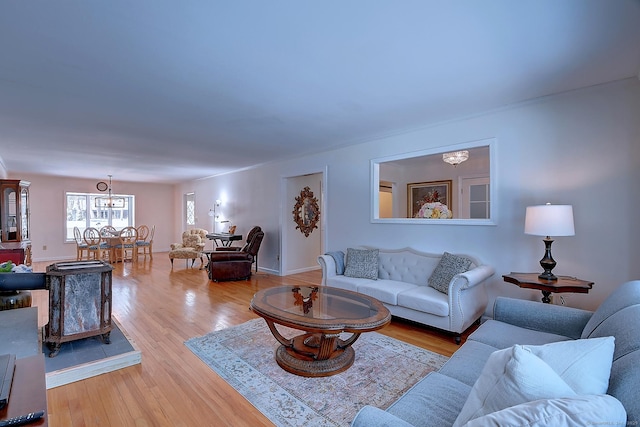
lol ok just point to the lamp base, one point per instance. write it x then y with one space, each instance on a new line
547 276
547 262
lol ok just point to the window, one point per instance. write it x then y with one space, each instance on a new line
83 213
190 209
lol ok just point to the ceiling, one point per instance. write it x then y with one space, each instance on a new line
167 91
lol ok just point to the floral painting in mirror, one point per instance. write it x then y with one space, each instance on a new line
430 200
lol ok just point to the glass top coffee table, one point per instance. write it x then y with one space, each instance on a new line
323 313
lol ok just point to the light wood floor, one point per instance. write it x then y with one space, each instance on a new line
160 308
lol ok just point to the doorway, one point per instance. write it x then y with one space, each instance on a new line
300 252
475 202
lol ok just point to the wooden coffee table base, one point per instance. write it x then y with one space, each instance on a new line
322 315
316 355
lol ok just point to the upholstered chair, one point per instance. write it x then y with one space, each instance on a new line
245 247
193 242
235 264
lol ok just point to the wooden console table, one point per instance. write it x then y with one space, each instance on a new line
563 284
28 391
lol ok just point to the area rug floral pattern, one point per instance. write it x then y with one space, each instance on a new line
383 370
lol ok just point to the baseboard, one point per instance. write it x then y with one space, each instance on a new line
266 270
301 270
49 259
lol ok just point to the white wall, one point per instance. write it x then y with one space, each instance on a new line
47 202
580 148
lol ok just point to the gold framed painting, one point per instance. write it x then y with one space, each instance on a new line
419 193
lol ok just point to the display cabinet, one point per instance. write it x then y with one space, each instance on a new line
15 239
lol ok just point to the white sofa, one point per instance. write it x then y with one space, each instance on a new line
402 286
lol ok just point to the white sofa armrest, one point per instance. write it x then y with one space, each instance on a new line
468 297
328 265
471 278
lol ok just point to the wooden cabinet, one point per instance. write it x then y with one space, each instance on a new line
15 238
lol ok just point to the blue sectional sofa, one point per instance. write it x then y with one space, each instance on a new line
522 328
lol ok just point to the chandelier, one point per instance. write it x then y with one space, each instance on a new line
456 157
110 201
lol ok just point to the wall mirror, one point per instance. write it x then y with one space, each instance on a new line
421 187
306 212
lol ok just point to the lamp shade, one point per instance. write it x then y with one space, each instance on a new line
549 220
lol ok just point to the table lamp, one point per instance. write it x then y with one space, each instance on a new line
549 220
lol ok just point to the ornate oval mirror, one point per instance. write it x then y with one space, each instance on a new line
306 212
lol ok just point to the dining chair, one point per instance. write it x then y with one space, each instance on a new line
93 240
108 230
127 245
145 240
110 238
81 245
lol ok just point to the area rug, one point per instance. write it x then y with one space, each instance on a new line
88 357
383 370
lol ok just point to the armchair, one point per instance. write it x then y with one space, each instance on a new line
250 237
235 263
192 245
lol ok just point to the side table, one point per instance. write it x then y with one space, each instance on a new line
563 284
29 390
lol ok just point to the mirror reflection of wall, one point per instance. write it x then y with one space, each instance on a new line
386 199
402 178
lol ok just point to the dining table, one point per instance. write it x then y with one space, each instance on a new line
111 241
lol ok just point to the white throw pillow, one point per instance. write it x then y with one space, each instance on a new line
583 365
510 377
587 410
